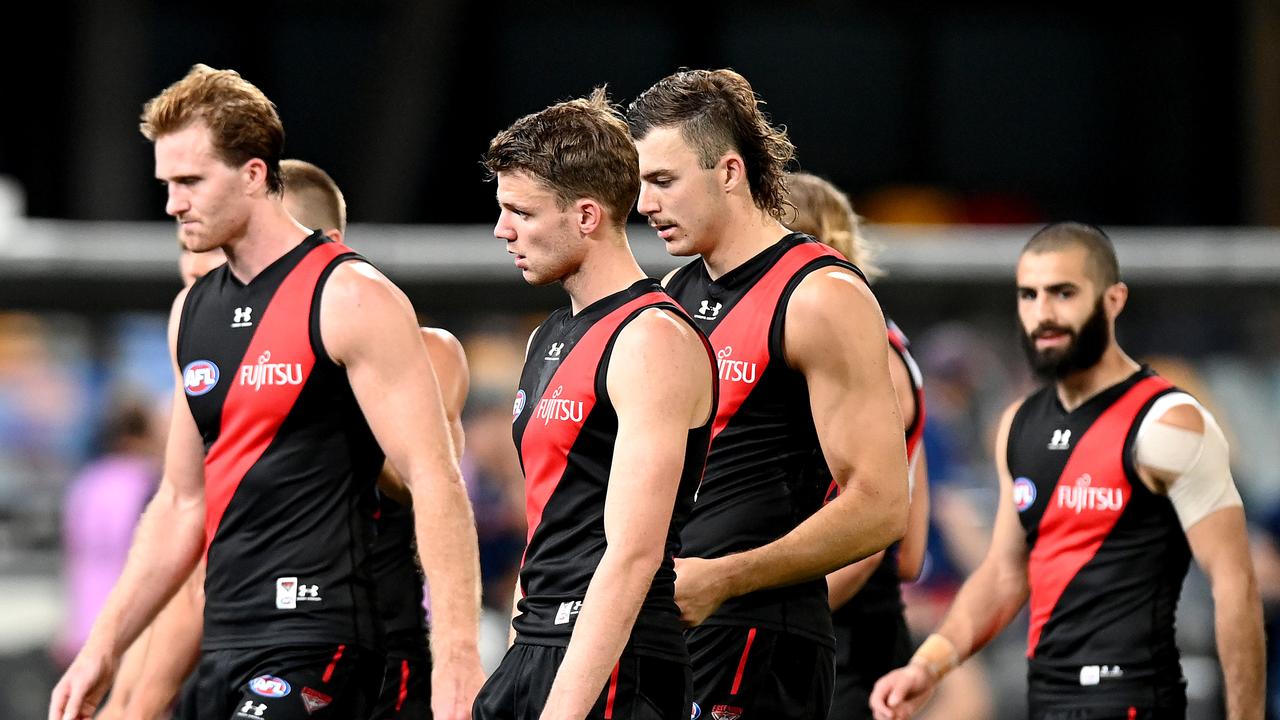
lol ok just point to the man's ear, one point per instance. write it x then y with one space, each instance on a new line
590 215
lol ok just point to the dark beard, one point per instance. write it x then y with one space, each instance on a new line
1081 353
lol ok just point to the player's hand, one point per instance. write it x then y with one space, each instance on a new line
700 588
455 680
901 693
78 693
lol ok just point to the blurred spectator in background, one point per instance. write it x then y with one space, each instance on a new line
965 384
102 506
44 411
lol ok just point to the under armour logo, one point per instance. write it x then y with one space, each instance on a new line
1061 440
250 709
243 317
554 352
307 592
708 310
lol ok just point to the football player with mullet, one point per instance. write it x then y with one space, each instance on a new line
1111 480
298 369
866 603
804 377
611 422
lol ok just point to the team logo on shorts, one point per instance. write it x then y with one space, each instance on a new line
1024 493
199 377
519 405
314 700
269 686
697 712
725 712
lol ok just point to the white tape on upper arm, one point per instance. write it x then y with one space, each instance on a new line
1200 461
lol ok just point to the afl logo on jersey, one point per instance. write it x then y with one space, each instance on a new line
269 686
696 713
199 377
518 407
1024 493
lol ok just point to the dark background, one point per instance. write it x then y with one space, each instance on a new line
1116 113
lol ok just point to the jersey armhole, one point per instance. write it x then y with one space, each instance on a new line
1015 429
313 324
181 335
917 388
602 370
777 328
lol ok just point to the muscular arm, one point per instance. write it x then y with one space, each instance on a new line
659 380
835 336
168 541
449 363
986 603
844 583
998 588
1220 545
1185 455
368 327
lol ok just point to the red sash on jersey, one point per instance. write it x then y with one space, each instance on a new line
1068 540
252 417
545 446
744 333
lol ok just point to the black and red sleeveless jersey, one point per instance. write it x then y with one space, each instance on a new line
564 427
1107 556
880 594
761 480
290 462
400 580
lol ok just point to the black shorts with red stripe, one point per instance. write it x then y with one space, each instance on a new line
1056 692
406 689
750 672
304 682
1109 712
640 688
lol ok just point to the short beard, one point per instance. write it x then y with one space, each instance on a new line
1081 353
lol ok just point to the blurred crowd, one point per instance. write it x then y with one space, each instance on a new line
83 409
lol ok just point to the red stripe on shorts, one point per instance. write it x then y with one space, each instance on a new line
328 672
404 684
613 692
742 663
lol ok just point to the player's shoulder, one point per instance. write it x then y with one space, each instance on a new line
831 289
357 288
443 345
1005 425
1179 409
440 338
658 327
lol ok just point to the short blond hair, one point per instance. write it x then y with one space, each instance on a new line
318 199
